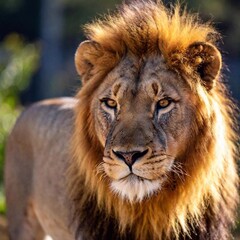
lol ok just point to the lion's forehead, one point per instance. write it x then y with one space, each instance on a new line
142 79
135 70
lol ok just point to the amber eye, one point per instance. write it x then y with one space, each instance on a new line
163 103
109 102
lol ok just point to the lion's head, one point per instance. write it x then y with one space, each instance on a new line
154 129
145 120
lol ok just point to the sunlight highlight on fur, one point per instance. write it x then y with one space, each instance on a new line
47 238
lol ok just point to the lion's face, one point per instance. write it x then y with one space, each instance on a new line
143 114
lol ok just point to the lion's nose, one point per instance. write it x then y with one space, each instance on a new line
130 157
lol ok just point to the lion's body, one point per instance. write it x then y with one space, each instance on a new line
145 151
33 203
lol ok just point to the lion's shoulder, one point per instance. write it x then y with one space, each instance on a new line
46 120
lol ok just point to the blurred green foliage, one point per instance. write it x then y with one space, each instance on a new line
18 62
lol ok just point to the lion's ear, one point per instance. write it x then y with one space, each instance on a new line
206 60
86 57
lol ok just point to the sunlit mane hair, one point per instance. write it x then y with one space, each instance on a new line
143 28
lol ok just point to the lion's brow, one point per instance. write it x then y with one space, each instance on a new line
116 88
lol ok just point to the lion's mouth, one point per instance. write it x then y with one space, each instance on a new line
142 180
135 188
133 177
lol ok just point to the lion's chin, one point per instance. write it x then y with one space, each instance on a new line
135 189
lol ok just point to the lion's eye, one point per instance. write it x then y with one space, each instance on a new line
109 102
163 103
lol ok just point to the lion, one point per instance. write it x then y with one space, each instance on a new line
146 148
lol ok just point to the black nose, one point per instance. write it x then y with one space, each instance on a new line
130 157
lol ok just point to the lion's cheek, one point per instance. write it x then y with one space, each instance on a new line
101 130
177 143
153 171
174 146
115 171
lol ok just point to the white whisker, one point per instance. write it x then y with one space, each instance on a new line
177 168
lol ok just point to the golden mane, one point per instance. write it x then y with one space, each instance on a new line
144 28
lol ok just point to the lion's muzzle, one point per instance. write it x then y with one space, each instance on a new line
130 157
